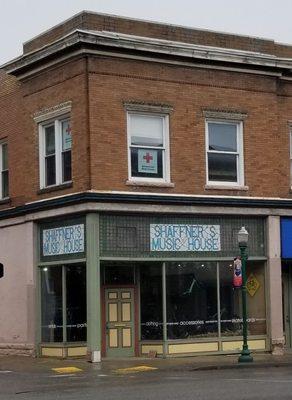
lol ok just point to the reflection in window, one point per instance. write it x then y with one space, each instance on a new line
230 302
52 317
151 302
52 298
76 304
191 300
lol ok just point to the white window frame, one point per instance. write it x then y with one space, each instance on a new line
239 152
164 148
2 143
57 122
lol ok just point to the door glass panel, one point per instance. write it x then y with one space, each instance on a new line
126 312
126 295
113 337
126 335
113 295
113 312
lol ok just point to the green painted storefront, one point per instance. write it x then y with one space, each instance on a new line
108 289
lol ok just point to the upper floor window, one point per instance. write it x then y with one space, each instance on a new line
4 182
148 146
224 153
55 152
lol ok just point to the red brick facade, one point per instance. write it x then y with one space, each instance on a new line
99 85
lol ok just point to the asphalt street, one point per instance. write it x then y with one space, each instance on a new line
159 384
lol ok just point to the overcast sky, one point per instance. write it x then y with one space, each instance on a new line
23 19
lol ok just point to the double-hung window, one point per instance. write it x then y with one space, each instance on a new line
224 153
4 179
148 147
55 152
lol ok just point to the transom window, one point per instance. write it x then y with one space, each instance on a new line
4 179
55 152
224 152
148 146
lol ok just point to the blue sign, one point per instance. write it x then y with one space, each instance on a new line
63 240
180 237
286 237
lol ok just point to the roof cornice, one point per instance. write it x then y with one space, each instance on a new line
118 44
269 204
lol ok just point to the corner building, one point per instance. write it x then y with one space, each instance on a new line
131 153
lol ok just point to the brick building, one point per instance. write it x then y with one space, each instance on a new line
131 154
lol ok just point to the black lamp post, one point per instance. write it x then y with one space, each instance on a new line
242 243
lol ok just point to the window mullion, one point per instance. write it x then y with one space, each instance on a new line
58 152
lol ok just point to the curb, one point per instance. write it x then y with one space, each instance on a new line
251 365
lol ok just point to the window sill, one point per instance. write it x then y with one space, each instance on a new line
5 200
147 183
226 187
56 187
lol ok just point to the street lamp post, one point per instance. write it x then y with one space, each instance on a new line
242 243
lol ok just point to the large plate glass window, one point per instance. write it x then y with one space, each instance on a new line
55 152
63 303
4 182
224 153
148 152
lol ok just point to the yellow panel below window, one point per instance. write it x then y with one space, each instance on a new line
77 351
126 337
113 338
126 312
192 348
152 347
113 312
52 352
237 345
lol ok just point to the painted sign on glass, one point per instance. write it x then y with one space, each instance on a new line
63 240
147 161
179 237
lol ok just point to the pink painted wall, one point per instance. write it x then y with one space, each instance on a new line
17 287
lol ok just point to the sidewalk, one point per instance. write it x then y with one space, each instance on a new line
112 366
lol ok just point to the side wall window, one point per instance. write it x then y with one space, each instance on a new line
55 152
4 176
224 153
148 146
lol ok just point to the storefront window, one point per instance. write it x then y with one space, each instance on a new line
76 303
61 284
256 304
191 303
52 316
230 302
151 302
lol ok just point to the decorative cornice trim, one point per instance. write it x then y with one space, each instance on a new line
225 114
148 107
52 112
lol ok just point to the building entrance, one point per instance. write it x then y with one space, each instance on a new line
120 326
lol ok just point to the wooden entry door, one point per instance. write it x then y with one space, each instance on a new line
120 322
